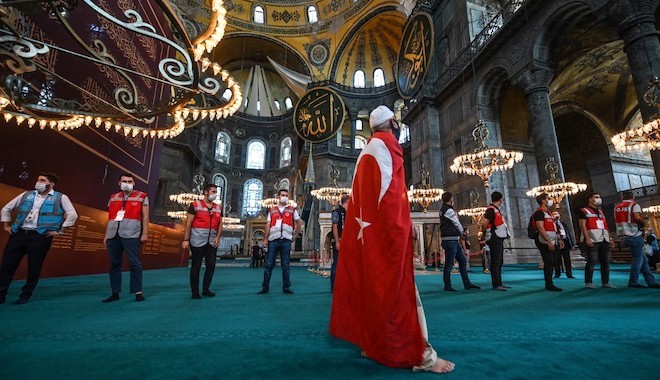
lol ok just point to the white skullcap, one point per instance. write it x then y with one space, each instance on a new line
379 116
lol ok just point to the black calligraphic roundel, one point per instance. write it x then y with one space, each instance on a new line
318 115
415 54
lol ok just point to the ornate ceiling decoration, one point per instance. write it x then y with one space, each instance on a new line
128 66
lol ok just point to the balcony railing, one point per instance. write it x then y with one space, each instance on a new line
496 23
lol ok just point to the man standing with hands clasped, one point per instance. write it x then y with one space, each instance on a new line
280 233
128 226
41 216
597 240
202 236
547 239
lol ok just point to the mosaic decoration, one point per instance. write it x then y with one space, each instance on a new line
286 16
319 52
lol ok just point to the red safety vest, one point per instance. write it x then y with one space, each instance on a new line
625 222
596 224
285 230
132 206
548 225
206 219
500 228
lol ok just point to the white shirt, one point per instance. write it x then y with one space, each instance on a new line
31 221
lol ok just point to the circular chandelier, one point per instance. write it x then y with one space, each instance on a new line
332 193
475 212
646 136
231 227
178 214
197 194
425 194
133 72
272 202
484 161
556 189
652 209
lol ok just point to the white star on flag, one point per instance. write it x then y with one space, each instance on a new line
362 224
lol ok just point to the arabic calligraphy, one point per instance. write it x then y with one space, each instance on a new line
318 115
414 55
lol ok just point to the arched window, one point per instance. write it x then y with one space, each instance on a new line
312 15
256 155
288 103
285 152
359 80
222 148
221 182
259 14
226 95
405 134
379 78
277 105
358 125
253 190
360 142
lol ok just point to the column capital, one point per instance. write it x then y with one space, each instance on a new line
627 13
534 78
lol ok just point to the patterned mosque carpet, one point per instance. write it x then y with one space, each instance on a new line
65 332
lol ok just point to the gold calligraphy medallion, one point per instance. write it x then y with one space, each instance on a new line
318 115
414 54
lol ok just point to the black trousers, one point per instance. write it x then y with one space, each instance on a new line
333 268
208 253
599 252
496 246
22 243
565 256
548 262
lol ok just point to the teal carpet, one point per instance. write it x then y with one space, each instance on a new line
65 332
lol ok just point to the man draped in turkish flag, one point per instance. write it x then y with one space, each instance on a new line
376 304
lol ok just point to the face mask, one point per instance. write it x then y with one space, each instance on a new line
212 197
284 200
40 187
598 201
550 203
126 186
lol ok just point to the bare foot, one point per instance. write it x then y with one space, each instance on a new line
442 366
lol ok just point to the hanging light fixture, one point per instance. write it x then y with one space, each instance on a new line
652 209
484 161
475 212
197 193
332 193
155 102
425 194
556 189
646 136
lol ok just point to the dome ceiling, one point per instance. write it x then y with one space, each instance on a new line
368 30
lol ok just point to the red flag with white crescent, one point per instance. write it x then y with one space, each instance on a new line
374 304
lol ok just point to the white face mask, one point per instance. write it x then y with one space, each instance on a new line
598 201
40 186
550 202
284 200
212 197
126 186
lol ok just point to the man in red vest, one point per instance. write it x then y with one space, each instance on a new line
282 228
128 225
376 304
495 232
597 240
202 236
547 238
630 227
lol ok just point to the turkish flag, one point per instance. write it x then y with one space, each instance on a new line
374 303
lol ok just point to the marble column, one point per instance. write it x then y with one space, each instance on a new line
353 133
535 82
635 22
